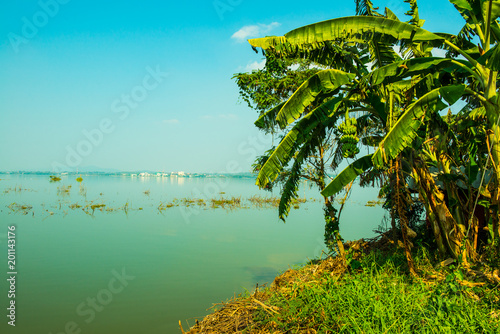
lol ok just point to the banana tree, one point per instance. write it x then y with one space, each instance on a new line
470 74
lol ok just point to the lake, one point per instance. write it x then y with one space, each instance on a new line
122 254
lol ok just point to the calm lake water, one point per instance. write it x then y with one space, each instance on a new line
136 265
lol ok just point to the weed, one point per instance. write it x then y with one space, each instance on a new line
54 178
20 208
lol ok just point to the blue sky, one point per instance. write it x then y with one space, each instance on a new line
136 85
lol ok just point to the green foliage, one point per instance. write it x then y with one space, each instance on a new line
357 29
378 296
325 81
453 163
366 8
349 174
290 143
267 88
405 129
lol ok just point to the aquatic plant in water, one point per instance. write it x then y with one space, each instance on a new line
54 178
20 208
63 190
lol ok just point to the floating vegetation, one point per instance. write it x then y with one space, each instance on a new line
97 206
374 203
90 207
261 202
231 203
193 201
54 178
125 208
83 190
16 189
79 179
63 190
93 207
20 208
274 202
165 206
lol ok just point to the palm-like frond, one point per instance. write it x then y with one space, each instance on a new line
322 82
267 120
359 29
493 58
292 141
413 12
343 56
405 129
349 174
406 68
291 186
365 8
382 54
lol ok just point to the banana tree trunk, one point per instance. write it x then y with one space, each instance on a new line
425 196
447 233
401 200
493 111
494 139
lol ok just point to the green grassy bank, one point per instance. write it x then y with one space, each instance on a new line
374 293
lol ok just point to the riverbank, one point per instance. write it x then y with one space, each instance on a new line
374 293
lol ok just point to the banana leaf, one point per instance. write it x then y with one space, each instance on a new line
295 137
349 174
322 82
405 129
405 68
268 119
359 29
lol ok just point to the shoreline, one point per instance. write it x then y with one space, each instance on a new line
323 296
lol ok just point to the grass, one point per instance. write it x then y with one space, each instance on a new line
381 298
374 294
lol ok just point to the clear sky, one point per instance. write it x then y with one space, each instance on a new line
144 85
